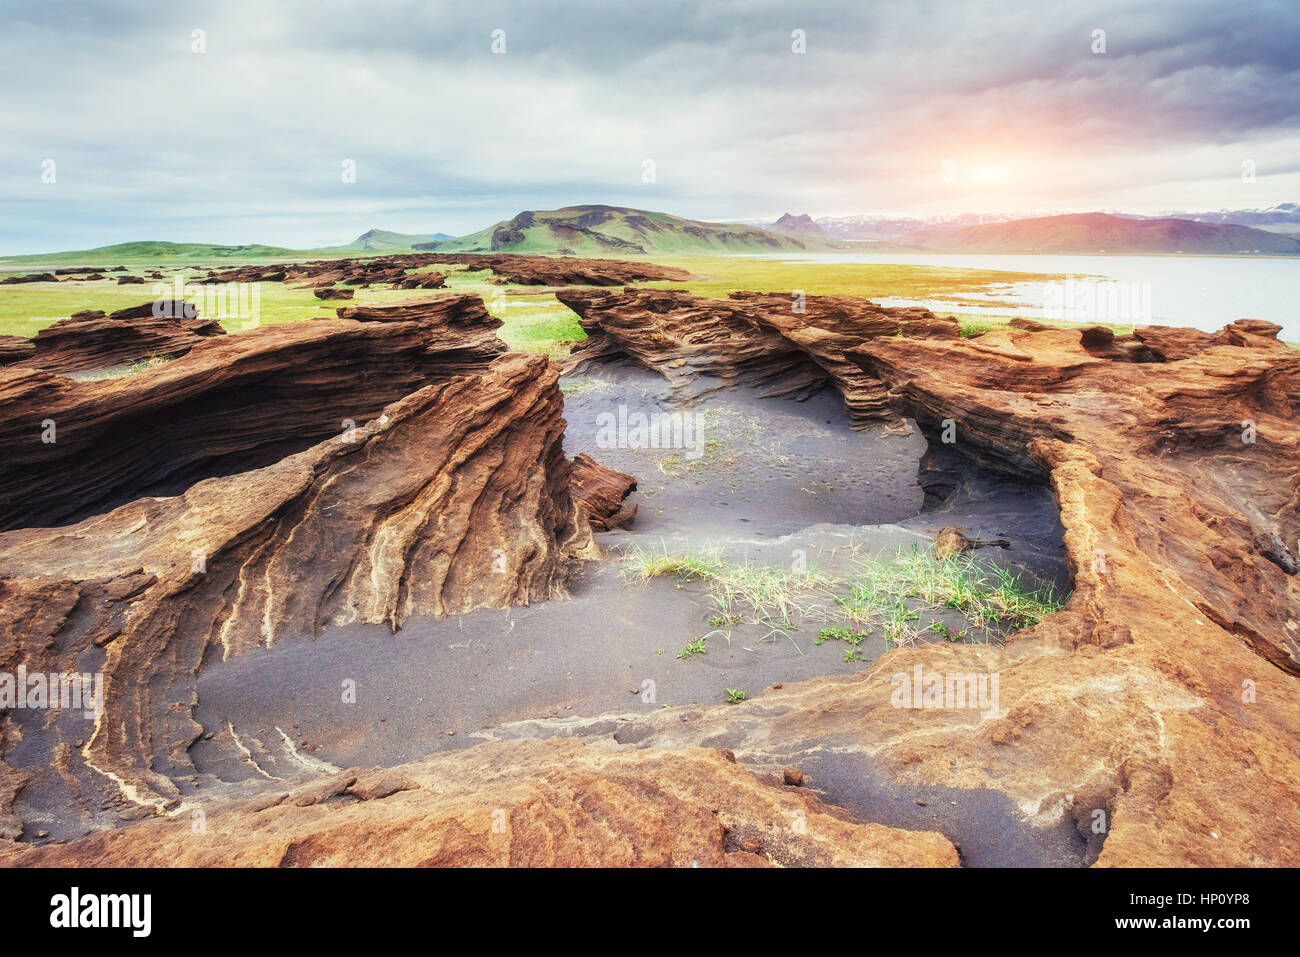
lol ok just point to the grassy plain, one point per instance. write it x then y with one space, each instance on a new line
534 319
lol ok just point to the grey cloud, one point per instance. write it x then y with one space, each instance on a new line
147 134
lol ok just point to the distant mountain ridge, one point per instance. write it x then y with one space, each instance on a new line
378 239
797 226
1282 218
1102 232
598 230
617 230
892 227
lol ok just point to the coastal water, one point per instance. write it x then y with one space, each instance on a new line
1204 292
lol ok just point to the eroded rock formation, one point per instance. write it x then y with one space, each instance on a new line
782 345
521 804
456 497
15 348
601 491
1160 711
92 340
1158 714
231 403
396 270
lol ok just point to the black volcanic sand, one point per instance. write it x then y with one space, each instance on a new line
777 482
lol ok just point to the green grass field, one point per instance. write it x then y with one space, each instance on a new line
534 320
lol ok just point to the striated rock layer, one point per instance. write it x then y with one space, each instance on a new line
1160 711
74 448
521 804
395 270
92 340
456 497
778 344
601 492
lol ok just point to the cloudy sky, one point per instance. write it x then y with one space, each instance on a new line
908 108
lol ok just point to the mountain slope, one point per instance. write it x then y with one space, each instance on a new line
151 251
1282 218
387 239
797 226
1101 232
617 230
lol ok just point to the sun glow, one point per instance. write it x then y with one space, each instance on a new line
991 174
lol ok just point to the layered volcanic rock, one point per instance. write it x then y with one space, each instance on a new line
565 270
601 492
15 348
91 340
1204 450
520 804
73 448
1160 711
1157 715
781 345
456 497
394 270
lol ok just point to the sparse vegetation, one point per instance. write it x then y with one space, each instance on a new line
853 636
735 696
885 595
140 365
696 647
990 597
946 633
771 598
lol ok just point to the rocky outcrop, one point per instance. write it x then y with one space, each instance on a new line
91 340
331 293
601 492
396 270
1159 713
783 345
564 270
517 804
74 448
423 280
456 497
29 277
15 349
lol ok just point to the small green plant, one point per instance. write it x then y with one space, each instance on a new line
896 633
943 631
735 696
854 636
696 647
135 368
854 654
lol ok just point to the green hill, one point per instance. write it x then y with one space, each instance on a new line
619 231
151 252
386 239
573 230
